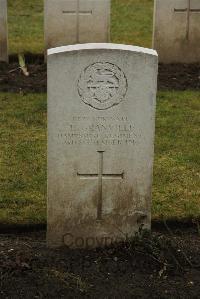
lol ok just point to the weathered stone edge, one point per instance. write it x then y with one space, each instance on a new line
101 46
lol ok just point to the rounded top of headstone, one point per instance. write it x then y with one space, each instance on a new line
101 46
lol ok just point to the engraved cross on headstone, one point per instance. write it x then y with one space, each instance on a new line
77 13
188 10
100 176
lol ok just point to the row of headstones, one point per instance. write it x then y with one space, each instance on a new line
176 26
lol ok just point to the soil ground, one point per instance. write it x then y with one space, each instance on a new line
174 76
160 265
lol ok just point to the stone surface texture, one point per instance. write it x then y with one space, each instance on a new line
177 31
70 22
101 118
3 31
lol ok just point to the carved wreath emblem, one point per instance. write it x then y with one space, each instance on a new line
102 85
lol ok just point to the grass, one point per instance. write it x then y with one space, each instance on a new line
23 157
25 25
176 191
131 23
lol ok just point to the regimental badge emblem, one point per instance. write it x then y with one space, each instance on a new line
102 85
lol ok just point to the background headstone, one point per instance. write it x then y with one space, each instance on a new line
177 30
3 31
70 22
101 115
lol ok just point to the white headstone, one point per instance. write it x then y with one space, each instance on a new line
101 115
3 31
70 22
177 30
